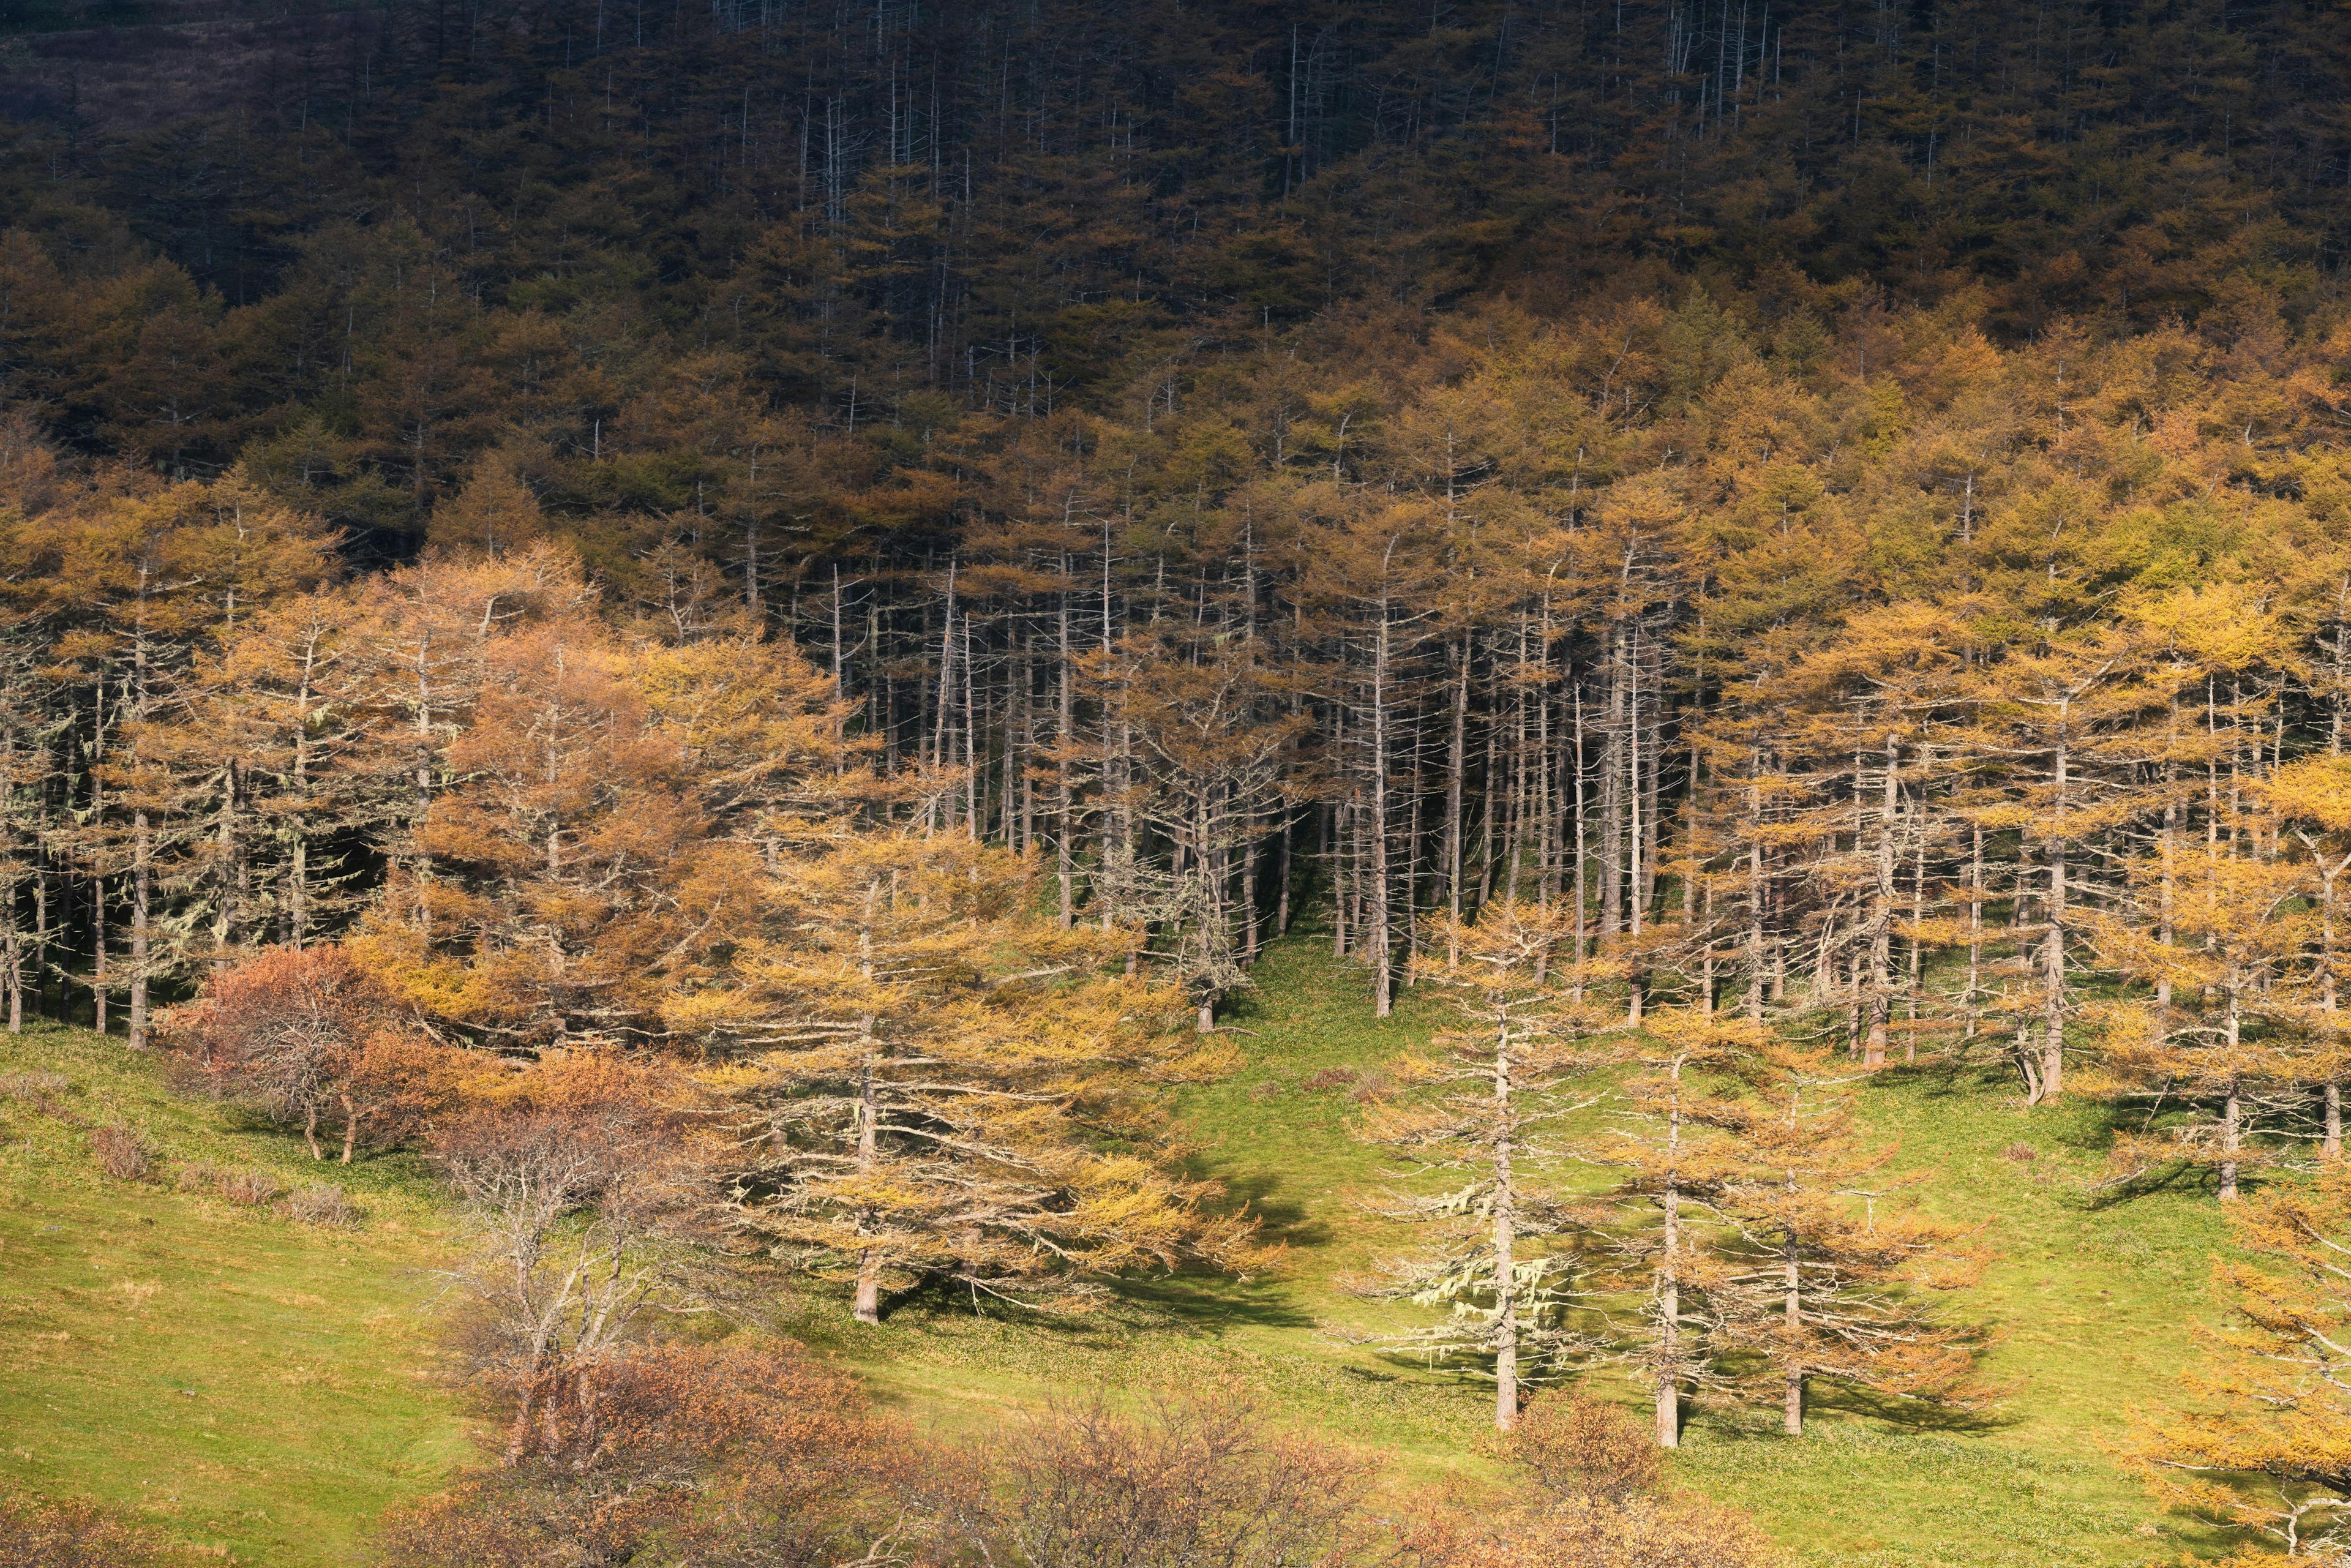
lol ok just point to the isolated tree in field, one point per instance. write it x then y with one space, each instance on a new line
1676 1133
2269 1447
927 1081
576 1177
1480 1109
307 1034
1835 1278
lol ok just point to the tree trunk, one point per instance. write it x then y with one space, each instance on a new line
1456 765
98 954
1506 1299
1881 917
142 887
1755 896
2052 954
1792 1419
1063 856
1377 933
2231 1140
867 1308
1669 1287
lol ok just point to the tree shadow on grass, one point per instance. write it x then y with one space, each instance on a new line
1189 1302
1281 1217
1912 1417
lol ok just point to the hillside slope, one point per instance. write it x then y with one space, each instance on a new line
250 1384
237 1381
2094 1305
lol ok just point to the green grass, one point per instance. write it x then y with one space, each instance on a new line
317 1406
247 1387
2094 1304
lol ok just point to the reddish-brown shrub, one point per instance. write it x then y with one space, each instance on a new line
305 1034
67 1535
1592 1532
255 1187
738 1453
122 1152
1581 1446
1204 1480
321 1203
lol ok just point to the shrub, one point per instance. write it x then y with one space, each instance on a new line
41 1091
1201 1480
197 1175
67 1535
1331 1078
305 1034
1581 1446
34 1086
626 1449
254 1187
1590 1532
321 1203
122 1152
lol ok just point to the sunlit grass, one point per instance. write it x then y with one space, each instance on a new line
237 1382
256 1386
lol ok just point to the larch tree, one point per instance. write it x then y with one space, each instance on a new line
2268 1447
1482 1109
1837 1269
926 1081
1676 1134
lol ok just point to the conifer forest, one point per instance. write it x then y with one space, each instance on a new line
1175 783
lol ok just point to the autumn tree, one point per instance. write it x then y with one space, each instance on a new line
1841 1268
1481 1108
926 1081
305 1033
2269 1451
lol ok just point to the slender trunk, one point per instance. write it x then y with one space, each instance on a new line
1506 1299
1582 847
142 886
1755 896
867 1309
1382 940
1456 765
2231 1140
2053 951
1791 1419
1881 917
1611 802
1975 923
98 981
1669 1288
1063 804
310 1130
16 961
1282 873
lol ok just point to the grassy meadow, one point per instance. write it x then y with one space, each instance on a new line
261 1388
253 1388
